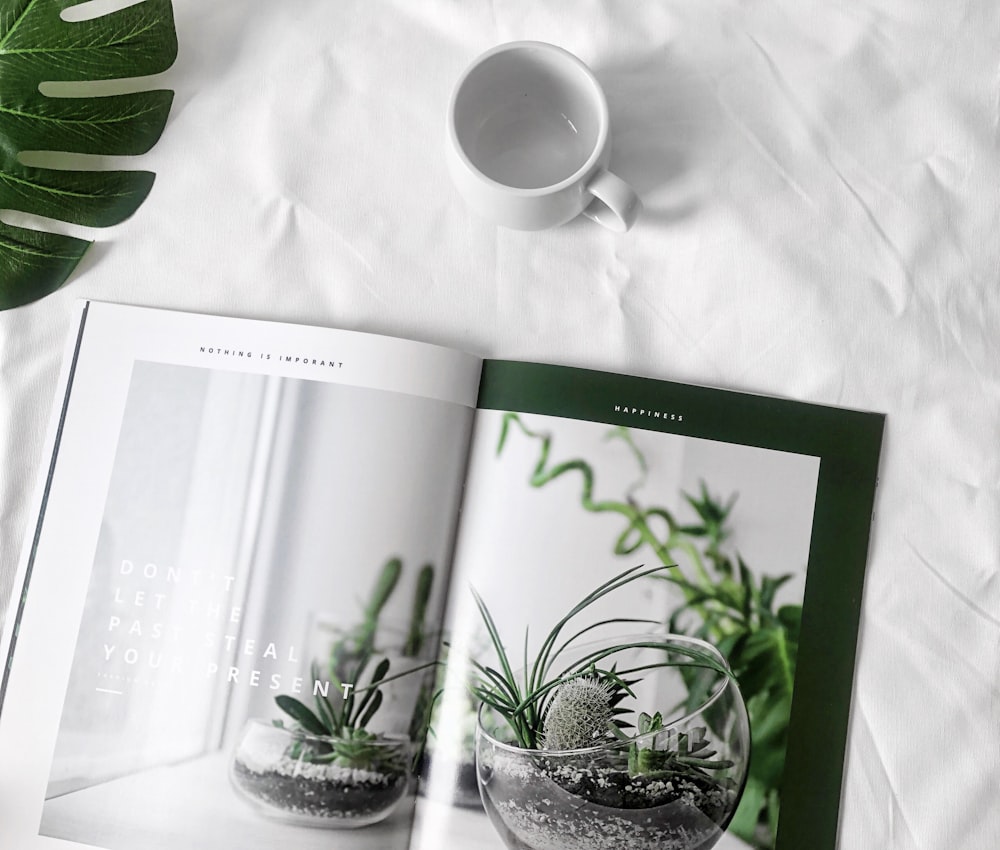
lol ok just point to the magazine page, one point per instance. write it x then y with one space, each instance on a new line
231 600
652 625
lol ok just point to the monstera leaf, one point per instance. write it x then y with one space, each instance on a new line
37 45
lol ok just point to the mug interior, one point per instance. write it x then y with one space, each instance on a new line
529 117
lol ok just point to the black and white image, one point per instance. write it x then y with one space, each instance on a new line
252 658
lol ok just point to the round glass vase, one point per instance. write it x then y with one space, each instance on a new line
315 780
674 787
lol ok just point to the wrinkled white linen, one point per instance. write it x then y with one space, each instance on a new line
821 191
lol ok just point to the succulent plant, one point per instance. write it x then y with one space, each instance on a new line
678 753
338 723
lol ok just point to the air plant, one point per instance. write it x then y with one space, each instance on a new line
525 702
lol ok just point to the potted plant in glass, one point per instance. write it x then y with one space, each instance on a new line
321 765
347 759
637 740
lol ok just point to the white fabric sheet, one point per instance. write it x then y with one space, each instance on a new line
821 191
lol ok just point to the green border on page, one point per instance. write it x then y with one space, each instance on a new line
847 443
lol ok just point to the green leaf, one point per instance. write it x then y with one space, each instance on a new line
371 695
324 714
381 671
34 264
301 714
750 596
769 586
769 728
324 711
744 822
372 707
765 663
790 616
599 624
495 639
38 46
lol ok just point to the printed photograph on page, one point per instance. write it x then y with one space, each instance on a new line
622 640
254 665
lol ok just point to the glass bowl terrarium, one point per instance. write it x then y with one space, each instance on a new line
638 740
345 757
327 762
670 780
352 780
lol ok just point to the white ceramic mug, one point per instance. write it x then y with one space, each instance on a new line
529 141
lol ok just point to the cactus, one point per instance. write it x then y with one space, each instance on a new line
421 597
359 642
381 592
580 715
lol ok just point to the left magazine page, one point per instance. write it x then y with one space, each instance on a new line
231 587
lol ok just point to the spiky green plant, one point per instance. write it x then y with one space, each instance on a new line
337 723
524 701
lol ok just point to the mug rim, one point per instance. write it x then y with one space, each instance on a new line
564 55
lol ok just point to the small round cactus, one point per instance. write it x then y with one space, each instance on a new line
578 716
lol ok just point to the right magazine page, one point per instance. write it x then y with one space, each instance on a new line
653 618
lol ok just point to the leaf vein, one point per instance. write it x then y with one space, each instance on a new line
124 40
52 190
85 120
16 24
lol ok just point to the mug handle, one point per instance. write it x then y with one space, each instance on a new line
615 204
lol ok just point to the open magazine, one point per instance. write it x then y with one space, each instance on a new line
296 587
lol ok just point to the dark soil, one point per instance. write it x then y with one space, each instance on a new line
318 796
559 805
613 787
